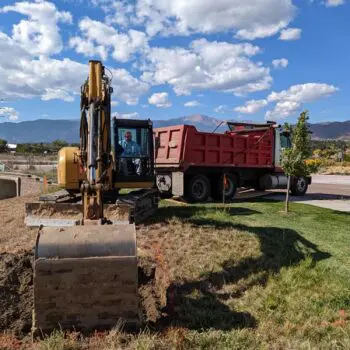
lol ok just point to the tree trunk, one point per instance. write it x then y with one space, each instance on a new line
286 207
223 188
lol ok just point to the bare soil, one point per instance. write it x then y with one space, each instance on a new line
16 302
15 237
52 211
153 286
16 299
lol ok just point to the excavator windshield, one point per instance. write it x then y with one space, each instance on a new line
133 149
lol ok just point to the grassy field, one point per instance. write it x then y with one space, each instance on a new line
243 276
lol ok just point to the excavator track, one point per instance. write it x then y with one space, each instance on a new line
132 208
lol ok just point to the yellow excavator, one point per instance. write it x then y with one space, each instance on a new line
85 268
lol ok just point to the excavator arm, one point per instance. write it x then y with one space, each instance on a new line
95 136
85 268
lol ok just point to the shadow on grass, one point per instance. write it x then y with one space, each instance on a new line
187 212
199 304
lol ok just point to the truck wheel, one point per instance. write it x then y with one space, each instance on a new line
198 188
230 190
299 186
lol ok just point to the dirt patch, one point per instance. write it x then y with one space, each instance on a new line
116 212
153 285
15 237
55 210
16 292
16 284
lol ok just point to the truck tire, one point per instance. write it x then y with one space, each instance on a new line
299 186
230 191
197 189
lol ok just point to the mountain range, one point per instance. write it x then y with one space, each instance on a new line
47 130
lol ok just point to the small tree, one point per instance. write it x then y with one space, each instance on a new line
3 145
294 158
58 144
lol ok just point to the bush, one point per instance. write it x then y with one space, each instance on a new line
313 165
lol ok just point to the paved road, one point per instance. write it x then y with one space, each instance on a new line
337 185
326 191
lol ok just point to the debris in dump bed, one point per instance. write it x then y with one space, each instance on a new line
16 297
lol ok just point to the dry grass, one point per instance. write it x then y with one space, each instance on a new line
336 170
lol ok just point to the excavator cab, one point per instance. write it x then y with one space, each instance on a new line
133 153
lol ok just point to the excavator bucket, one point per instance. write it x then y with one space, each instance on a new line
85 278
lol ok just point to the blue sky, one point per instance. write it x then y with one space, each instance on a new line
251 60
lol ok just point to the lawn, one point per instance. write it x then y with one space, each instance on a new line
243 276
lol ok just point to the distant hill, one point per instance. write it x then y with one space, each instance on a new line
41 130
46 130
331 130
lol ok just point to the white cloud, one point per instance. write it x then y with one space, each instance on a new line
9 112
280 63
133 115
334 3
303 92
290 101
100 39
114 103
207 65
160 100
283 109
221 109
250 19
251 107
48 78
39 35
193 103
290 34
57 94
88 48
119 12
126 87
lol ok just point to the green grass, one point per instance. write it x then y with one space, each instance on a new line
244 276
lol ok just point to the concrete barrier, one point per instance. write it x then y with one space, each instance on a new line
10 187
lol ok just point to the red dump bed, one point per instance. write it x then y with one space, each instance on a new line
182 146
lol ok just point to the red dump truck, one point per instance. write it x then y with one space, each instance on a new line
198 165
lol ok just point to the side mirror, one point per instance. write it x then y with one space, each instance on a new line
156 142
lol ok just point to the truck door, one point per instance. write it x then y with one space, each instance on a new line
282 141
